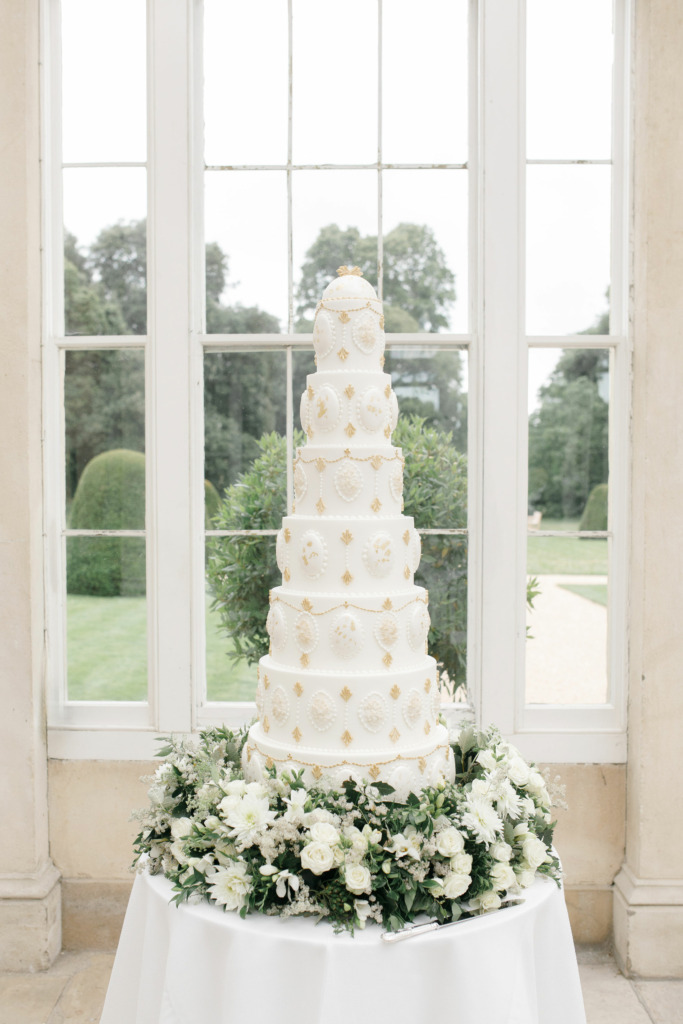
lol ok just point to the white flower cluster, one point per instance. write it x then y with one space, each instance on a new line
284 849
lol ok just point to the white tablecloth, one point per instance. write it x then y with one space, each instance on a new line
198 965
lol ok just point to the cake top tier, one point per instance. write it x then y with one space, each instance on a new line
348 333
349 284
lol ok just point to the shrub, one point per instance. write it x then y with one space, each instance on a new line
110 496
242 570
595 513
212 503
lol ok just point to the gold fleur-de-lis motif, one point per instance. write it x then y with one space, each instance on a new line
376 505
373 772
298 688
387 431
422 765
296 733
387 390
349 429
346 537
382 360
266 724
288 535
344 270
345 694
406 573
344 317
376 461
406 537
304 659
395 691
346 737
269 762
381 327
306 605
394 735
349 391
387 605
320 465
320 506
387 659
316 771
287 574
347 577
309 389
428 685
343 354
428 728
266 682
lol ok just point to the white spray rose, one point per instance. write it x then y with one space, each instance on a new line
455 885
323 832
518 771
502 876
525 875
461 863
449 842
501 850
357 879
317 857
486 901
181 827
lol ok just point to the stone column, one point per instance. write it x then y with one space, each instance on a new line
648 904
30 913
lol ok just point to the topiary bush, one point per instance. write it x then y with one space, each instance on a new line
242 570
595 513
110 496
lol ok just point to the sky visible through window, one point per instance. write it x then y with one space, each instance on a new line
335 120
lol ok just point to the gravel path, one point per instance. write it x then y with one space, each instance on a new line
566 662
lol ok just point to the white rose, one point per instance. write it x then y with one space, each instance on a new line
357 879
528 807
486 901
487 760
320 814
502 876
256 790
181 827
359 843
525 875
536 783
317 857
449 842
323 832
501 850
518 771
455 885
534 851
461 864
236 787
213 822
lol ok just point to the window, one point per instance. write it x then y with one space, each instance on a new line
207 203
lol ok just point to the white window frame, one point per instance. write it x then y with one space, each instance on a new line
175 347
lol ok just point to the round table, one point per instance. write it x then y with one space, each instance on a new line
198 965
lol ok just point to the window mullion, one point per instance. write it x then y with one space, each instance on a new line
503 361
168 367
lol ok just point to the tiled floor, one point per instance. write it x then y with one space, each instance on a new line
72 992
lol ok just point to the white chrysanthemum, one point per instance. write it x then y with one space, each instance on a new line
481 819
231 885
508 801
249 818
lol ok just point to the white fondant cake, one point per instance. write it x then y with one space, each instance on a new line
348 689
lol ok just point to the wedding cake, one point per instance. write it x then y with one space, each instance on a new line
348 690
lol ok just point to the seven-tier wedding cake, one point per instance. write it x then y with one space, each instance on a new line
348 690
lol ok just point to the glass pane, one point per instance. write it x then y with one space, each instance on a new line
104 85
424 82
246 225
425 250
334 222
443 571
240 573
566 648
245 109
105 250
104 419
106 618
568 437
569 79
568 249
334 113
244 407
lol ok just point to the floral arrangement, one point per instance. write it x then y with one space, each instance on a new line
350 855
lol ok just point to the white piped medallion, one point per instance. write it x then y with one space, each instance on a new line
378 555
348 480
313 554
346 635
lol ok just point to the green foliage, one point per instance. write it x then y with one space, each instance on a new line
212 503
429 385
417 281
118 259
110 496
243 570
87 311
568 447
595 513
435 495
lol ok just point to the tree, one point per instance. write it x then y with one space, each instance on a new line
417 281
568 435
118 260
87 311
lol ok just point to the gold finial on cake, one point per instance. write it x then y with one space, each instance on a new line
343 271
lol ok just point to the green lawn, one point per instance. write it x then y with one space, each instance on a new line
107 652
570 555
593 591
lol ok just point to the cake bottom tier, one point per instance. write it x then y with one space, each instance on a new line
426 764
